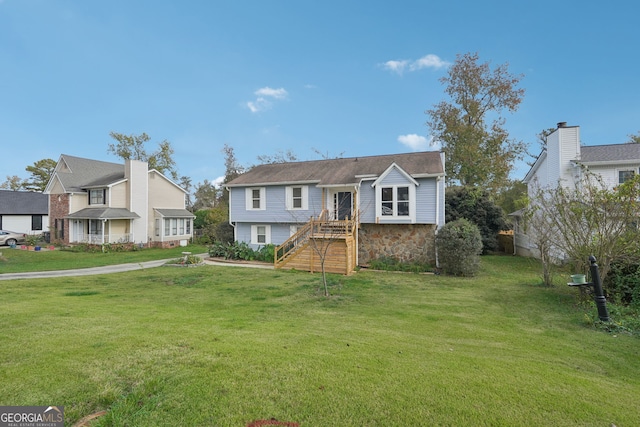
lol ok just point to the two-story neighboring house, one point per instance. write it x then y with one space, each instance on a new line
24 211
388 206
98 202
564 162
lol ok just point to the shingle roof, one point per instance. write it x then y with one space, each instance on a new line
609 153
87 173
175 213
103 213
340 171
23 203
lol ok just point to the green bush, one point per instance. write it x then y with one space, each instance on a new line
623 283
242 251
393 264
477 206
459 245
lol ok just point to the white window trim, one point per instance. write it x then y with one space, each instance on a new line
249 199
254 234
305 198
395 217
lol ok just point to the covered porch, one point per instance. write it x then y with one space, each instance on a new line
101 225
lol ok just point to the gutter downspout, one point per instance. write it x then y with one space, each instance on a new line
438 180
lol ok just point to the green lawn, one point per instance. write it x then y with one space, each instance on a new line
226 346
19 261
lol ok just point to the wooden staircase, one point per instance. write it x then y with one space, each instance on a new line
321 239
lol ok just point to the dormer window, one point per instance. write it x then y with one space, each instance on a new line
97 196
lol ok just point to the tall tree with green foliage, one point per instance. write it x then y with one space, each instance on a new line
470 126
133 147
40 174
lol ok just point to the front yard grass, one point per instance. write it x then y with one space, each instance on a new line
227 346
20 261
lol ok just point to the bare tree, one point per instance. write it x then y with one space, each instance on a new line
590 219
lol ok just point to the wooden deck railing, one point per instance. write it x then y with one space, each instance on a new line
316 228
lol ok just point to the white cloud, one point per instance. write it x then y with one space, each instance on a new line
279 93
427 61
414 141
264 96
395 66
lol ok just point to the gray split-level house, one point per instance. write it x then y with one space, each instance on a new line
371 207
97 202
564 162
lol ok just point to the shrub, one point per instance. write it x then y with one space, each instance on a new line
623 283
266 253
393 264
459 245
235 250
477 206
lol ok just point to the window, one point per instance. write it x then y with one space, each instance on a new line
175 226
395 201
36 222
95 227
96 197
260 234
625 175
255 199
297 197
157 227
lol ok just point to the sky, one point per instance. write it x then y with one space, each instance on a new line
341 78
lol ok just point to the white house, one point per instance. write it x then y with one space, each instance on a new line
92 201
24 211
564 161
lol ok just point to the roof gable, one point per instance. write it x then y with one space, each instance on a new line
344 171
77 173
400 170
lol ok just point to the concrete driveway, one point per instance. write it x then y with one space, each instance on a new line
118 268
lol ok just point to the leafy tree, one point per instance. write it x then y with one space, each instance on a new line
634 138
133 147
206 195
40 174
476 205
470 127
233 169
185 183
459 246
13 183
512 197
590 219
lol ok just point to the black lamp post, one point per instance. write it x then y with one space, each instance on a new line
598 293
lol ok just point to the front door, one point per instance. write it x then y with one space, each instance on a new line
342 204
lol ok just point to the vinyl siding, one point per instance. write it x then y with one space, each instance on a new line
118 196
276 206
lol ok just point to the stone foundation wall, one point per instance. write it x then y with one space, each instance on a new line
405 242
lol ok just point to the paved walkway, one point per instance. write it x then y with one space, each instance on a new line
119 268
